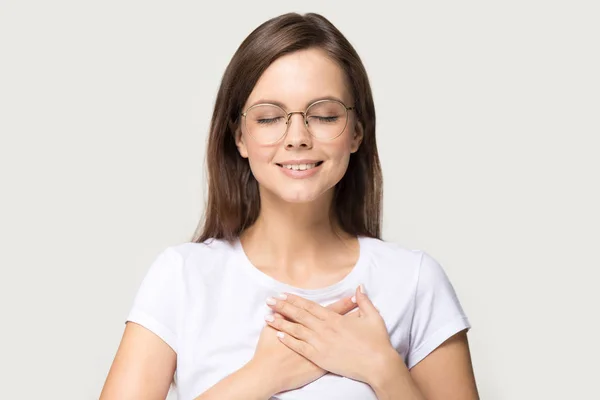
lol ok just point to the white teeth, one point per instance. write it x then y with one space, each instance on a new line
299 167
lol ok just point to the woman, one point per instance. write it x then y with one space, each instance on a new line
287 291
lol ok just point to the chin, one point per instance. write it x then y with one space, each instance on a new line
302 194
300 191
298 197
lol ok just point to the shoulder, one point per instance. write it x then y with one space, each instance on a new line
209 248
185 264
413 265
387 254
202 256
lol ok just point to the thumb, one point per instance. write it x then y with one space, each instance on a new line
364 303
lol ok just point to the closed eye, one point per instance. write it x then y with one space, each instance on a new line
268 121
325 119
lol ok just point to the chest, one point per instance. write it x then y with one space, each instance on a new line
308 280
330 387
219 336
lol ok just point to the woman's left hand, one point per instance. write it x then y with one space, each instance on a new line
355 345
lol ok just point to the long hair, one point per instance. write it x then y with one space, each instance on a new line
233 196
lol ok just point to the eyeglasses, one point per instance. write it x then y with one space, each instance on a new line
324 119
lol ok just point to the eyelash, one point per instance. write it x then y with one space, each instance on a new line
268 121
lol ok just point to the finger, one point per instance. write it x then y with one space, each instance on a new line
296 330
311 307
294 313
300 347
342 306
364 303
354 314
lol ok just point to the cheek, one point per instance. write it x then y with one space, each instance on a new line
338 158
339 151
259 157
339 167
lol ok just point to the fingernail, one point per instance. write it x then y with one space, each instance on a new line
353 299
282 296
271 301
280 335
361 288
269 318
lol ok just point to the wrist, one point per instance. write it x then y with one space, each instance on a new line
244 383
391 379
260 384
385 367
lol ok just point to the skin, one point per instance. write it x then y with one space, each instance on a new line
303 248
144 365
295 80
294 241
357 346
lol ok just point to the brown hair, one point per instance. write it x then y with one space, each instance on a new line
233 196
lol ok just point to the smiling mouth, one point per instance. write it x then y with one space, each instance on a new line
300 167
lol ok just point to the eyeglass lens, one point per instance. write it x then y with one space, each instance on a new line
268 123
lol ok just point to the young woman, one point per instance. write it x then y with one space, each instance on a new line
287 290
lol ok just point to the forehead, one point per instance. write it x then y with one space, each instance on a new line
299 78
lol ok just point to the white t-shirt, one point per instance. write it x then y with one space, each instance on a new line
207 302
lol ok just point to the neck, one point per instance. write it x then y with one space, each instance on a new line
295 236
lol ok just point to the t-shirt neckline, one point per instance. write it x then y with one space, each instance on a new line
350 281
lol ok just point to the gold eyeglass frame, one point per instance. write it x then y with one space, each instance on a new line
289 116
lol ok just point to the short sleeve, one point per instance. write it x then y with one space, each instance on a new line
156 303
438 314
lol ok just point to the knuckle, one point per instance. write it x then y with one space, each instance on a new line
300 316
294 314
303 348
329 330
311 308
294 330
334 326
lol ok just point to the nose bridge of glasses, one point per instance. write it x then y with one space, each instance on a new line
289 119
301 132
302 113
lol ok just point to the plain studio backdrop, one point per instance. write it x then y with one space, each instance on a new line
488 130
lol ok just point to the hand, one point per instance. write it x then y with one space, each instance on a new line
353 345
284 368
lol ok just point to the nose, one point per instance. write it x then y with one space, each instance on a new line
297 135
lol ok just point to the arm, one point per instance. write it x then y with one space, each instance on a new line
273 369
445 374
143 367
243 384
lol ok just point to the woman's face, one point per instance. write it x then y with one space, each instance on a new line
294 81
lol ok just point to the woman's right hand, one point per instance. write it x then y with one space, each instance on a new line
282 368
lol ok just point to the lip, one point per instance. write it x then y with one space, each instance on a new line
302 161
297 174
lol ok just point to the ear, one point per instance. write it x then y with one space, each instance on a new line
357 138
239 142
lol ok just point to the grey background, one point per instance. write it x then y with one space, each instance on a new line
488 124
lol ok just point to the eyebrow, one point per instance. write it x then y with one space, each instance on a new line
280 104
